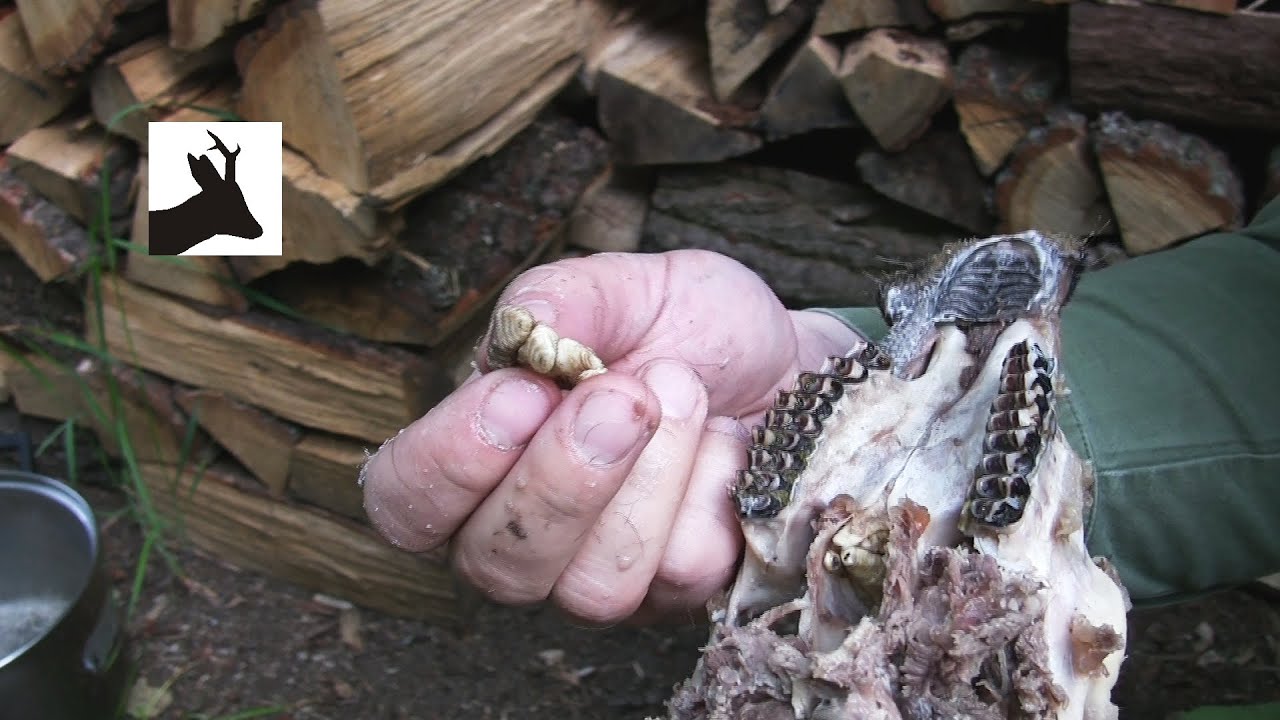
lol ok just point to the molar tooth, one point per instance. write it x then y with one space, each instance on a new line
1011 419
781 439
798 421
1025 438
849 370
1005 463
873 357
988 486
1019 487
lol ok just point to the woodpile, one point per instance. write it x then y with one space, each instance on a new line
435 150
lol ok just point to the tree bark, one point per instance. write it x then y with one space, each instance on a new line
1165 63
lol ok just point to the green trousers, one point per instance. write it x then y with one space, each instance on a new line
1171 360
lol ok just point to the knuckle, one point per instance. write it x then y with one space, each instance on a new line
591 601
493 576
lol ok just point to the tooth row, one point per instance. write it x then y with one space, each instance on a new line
792 428
1020 421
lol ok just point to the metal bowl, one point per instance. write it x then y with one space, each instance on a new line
62 648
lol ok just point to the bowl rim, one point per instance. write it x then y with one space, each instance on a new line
66 496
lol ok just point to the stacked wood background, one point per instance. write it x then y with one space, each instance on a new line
435 150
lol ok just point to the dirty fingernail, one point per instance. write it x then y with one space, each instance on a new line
608 425
676 387
512 412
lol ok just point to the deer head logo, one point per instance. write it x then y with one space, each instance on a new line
218 209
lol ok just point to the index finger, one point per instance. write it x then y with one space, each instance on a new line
422 484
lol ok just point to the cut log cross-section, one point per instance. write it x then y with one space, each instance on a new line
1051 184
1165 185
895 82
362 90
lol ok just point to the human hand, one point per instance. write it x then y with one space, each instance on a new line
610 500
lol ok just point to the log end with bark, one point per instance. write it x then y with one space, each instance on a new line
1165 185
1052 183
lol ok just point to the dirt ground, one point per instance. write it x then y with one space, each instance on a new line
220 641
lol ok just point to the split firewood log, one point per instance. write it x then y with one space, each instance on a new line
294 370
71 162
895 82
323 471
66 36
841 16
154 75
194 24
363 93
1051 183
227 515
807 94
609 217
999 96
608 25
1165 63
743 34
47 239
30 96
154 425
656 103
1165 185
261 442
935 175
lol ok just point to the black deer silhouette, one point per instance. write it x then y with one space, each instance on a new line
218 209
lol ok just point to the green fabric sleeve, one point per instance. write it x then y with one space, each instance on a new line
1173 398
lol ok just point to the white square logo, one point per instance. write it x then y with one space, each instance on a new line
214 188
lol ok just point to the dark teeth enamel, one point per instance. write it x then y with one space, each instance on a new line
792 427
1019 423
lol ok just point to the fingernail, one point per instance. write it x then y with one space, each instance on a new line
511 413
677 388
608 425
